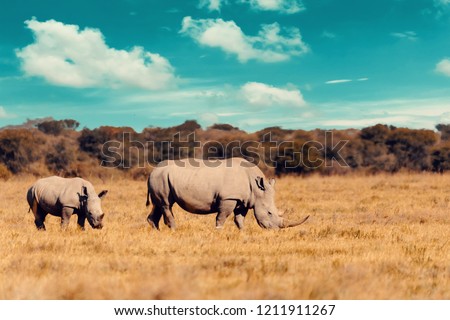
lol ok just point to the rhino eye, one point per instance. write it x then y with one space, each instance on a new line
270 213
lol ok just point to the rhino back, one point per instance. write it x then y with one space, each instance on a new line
54 193
199 186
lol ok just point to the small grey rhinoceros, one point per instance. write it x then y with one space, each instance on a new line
227 186
63 197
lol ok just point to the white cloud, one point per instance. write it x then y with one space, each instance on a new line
408 35
444 67
231 114
411 113
208 118
67 56
441 8
212 5
268 46
441 2
282 6
3 114
338 81
355 123
328 35
261 94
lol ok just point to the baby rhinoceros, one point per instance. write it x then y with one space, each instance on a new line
63 197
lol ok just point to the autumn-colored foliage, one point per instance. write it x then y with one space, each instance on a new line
55 146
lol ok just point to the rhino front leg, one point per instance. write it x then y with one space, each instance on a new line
239 216
81 220
225 209
65 217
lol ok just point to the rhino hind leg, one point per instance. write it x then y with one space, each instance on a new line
154 217
226 207
39 216
169 218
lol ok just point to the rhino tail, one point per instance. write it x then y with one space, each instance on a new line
31 198
35 205
148 192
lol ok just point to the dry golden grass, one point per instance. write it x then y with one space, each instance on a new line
381 237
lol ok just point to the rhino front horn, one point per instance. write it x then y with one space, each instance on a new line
288 224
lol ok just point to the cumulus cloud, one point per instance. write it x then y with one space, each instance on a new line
67 56
270 45
212 5
282 6
444 67
264 95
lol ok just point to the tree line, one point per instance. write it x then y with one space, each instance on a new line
58 147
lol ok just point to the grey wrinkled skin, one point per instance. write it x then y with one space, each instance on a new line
218 186
63 197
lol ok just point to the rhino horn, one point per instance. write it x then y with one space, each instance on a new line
288 224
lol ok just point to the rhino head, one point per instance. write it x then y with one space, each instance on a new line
266 213
91 205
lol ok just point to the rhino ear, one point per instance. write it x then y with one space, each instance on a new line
84 191
102 194
272 182
260 183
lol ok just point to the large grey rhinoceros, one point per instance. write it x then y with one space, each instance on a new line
227 186
63 197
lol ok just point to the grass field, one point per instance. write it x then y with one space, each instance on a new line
368 237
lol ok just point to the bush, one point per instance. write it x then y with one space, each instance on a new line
5 174
56 127
19 148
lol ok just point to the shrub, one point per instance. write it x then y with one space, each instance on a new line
5 174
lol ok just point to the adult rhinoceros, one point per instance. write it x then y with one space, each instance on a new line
220 186
63 197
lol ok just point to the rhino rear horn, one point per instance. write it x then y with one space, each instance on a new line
288 224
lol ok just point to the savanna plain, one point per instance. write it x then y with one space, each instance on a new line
368 237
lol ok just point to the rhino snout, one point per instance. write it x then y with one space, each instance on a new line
95 221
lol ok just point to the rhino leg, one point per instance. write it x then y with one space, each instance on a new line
39 216
239 217
81 220
226 207
65 217
154 217
169 219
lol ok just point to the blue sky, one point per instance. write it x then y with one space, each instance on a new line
299 64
